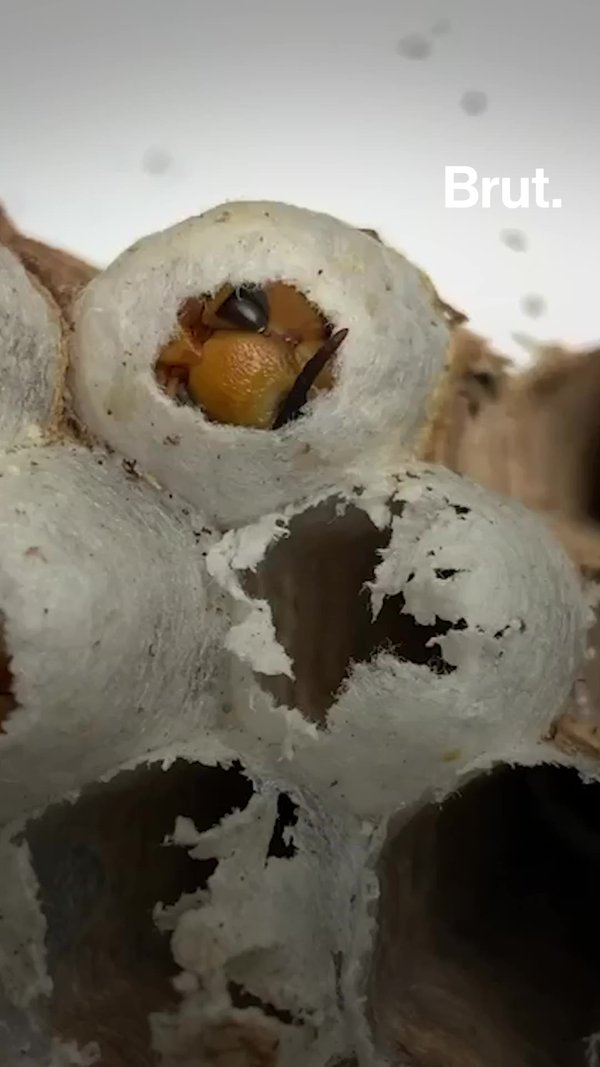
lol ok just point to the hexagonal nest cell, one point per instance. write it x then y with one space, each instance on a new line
317 583
488 941
103 864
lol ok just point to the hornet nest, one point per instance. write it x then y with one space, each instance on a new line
279 779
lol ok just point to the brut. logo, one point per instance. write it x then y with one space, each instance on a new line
464 187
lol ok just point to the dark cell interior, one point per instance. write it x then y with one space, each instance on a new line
585 428
281 845
102 866
316 582
7 700
489 941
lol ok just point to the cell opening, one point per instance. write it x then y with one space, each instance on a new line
102 866
281 845
250 355
8 704
488 942
316 583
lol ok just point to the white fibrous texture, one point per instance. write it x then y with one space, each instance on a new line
277 930
32 356
105 635
231 655
388 364
265 891
388 642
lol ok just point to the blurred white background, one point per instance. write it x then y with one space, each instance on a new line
119 118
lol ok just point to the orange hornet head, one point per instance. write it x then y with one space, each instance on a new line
250 356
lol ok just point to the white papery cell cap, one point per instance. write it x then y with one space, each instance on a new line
32 357
104 635
386 370
387 641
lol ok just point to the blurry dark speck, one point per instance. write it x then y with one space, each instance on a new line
414 46
474 102
533 305
515 240
156 161
441 27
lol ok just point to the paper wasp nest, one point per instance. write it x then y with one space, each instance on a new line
254 655
535 435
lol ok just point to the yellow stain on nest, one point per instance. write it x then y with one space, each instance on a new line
452 755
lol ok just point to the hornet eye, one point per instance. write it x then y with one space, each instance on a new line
247 308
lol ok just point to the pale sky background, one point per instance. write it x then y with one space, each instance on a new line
120 118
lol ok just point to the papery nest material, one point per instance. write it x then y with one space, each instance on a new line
385 369
535 435
238 661
60 273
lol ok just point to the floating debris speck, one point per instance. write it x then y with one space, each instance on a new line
156 161
514 239
474 102
414 46
441 28
533 306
